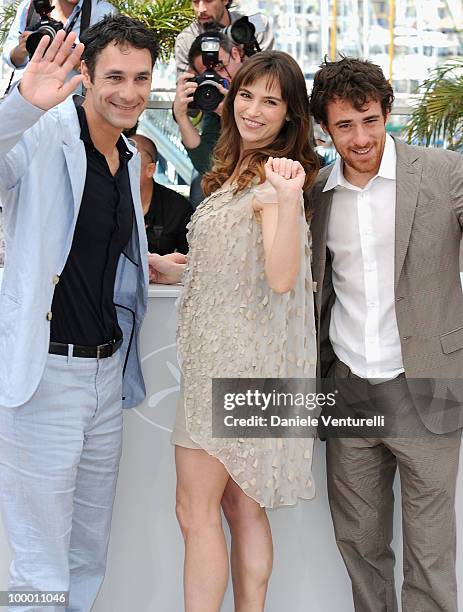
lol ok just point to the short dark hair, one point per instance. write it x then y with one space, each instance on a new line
195 50
119 29
351 79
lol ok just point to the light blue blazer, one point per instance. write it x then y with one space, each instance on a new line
42 175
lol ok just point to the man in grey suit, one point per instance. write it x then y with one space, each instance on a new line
386 228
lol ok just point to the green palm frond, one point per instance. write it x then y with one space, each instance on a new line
7 14
437 116
166 17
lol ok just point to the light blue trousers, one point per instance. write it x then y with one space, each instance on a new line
59 459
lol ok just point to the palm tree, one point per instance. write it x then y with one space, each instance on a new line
437 116
7 14
166 17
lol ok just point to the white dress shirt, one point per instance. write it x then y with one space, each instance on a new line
361 239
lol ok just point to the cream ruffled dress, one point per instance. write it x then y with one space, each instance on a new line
231 324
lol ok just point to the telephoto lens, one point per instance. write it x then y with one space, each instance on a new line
45 30
242 32
45 27
207 96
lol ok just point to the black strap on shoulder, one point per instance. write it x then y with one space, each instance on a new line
32 16
85 15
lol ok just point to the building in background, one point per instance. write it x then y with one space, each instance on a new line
424 33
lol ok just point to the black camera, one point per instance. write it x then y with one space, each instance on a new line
45 27
207 96
243 32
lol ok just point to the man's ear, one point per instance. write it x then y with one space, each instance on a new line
87 82
235 53
150 169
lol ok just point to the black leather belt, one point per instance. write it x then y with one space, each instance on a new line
99 352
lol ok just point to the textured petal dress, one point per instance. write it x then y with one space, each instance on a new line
231 324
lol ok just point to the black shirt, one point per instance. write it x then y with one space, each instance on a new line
166 221
83 307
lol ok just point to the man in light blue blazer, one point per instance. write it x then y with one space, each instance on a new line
72 302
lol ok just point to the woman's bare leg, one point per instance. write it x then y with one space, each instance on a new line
201 480
252 548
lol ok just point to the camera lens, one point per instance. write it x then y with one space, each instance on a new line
34 38
207 97
241 32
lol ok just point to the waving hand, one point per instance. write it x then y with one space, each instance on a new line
44 81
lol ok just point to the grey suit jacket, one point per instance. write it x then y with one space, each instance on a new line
428 293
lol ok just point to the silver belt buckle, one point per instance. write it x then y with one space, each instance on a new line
98 350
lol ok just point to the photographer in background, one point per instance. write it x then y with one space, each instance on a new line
167 213
227 63
215 14
75 15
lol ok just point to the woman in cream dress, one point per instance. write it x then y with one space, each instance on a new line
246 311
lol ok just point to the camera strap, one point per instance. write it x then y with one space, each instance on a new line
32 17
8 87
86 14
71 24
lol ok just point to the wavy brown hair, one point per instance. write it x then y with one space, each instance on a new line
351 79
293 140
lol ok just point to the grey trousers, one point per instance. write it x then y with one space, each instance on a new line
59 459
361 473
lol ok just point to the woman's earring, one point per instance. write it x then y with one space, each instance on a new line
287 119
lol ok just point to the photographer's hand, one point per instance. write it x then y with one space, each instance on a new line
20 54
44 81
224 92
183 96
